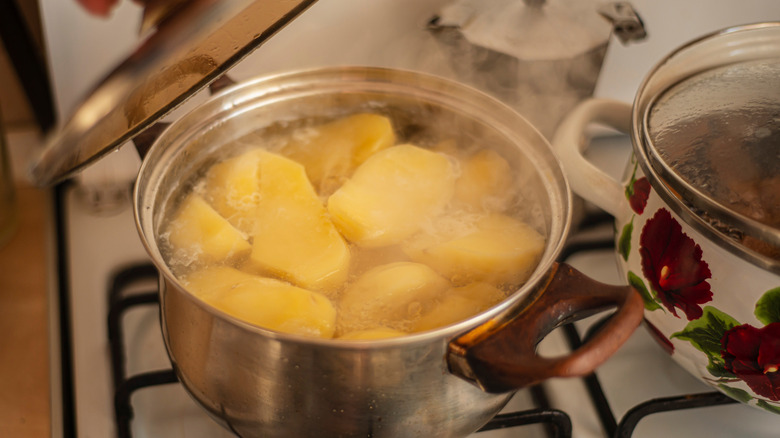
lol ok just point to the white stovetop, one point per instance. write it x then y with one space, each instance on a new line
640 371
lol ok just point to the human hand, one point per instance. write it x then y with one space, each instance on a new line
98 7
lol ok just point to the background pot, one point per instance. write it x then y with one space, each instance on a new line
446 382
541 57
707 269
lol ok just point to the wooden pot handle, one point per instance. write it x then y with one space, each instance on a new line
501 356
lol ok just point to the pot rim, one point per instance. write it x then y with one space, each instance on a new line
510 122
672 189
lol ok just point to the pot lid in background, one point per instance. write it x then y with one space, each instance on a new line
713 134
541 30
194 42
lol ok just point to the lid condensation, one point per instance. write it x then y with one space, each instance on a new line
717 134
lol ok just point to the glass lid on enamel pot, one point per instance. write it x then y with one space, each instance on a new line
707 130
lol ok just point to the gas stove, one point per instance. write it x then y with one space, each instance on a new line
116 380
111 373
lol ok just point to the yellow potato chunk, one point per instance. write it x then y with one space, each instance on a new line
391 194
364 259
459 304
371 334
495 248
390 296
294 237
486 182
199 233
331 152
231 186
265 302
215 280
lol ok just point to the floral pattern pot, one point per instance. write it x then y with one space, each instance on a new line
716 313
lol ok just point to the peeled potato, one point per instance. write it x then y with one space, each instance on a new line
486 182
418 221
369 334
391 194
215 280
293 236
389 296
199 232
331 152
232 186
264 302
496 248
460 303
364 259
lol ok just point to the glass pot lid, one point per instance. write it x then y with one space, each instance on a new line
712 134
193 43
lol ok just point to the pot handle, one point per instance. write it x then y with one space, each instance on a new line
569 143
500 355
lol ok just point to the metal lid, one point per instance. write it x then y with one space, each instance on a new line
194 43
712 134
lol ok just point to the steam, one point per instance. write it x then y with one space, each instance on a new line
539 59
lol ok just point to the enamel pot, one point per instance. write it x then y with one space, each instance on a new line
697 214
441 383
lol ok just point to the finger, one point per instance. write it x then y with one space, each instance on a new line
98 7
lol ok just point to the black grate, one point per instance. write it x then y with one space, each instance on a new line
119 303
628 423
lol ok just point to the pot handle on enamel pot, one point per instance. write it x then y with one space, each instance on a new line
569 143
500 356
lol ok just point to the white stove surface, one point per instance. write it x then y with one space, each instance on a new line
83 48
639 372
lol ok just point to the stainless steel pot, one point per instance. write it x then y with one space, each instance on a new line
442 383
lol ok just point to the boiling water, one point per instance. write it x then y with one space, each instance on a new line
414 301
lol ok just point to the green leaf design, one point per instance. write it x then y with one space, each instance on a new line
768 406
737 394
636 282
705 334
630 187
624 243
768 306
717 367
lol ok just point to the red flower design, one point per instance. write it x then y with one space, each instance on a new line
640 191
753 355
671 262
